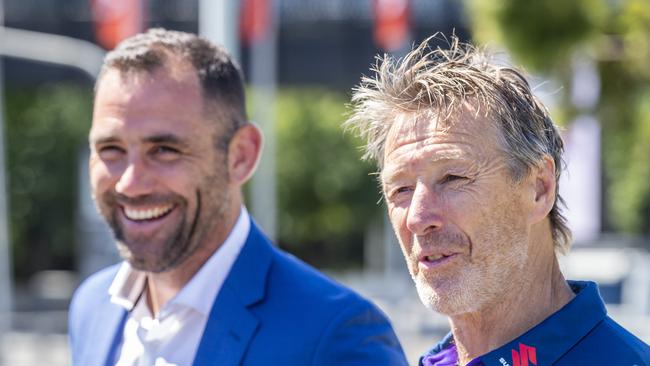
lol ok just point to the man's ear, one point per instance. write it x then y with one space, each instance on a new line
244 153
544 189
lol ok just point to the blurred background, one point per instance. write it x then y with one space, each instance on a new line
589 60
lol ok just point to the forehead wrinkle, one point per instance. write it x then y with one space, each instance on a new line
429 127
436 147
411 162
424 140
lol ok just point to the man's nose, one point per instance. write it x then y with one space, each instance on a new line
135 180
425 210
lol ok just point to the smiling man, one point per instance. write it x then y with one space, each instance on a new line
200 284
469 166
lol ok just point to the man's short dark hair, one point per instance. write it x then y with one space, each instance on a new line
219 76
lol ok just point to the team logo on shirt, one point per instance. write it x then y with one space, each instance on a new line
525 354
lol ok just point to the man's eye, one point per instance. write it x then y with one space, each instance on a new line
165 153
164 150
452 178
110 152
397 192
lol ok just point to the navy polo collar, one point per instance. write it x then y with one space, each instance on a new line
545 343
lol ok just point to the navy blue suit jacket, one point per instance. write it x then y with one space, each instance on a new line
272 310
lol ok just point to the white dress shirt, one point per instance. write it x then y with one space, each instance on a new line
173 337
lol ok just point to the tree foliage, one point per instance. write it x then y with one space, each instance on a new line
325 196
45 129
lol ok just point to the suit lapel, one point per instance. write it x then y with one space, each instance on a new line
105 335
228 332
231 325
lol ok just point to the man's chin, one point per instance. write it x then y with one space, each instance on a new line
428 296
446 299
147 266
142 262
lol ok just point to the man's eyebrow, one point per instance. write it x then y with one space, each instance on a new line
395 173
103 140
165 139
391 175
153 139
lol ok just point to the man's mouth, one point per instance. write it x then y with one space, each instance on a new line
434 260
435 257
143 214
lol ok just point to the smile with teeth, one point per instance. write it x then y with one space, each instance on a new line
147 214
435 257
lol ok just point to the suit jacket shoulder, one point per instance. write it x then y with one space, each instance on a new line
299 316
347 328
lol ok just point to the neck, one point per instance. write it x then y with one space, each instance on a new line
163 286
541 292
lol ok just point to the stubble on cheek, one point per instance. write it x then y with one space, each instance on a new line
497 261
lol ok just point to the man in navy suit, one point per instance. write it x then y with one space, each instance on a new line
200 284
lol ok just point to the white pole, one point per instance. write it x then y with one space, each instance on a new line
263 61
51 48
6 290
219 23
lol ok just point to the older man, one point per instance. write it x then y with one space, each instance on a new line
469 165
200 284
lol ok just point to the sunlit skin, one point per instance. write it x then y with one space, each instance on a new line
477 244
169 194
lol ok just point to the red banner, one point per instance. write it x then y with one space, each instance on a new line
392 23
255 20
116 20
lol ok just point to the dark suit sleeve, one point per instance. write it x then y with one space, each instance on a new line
359 334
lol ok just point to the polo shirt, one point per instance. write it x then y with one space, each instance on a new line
580 333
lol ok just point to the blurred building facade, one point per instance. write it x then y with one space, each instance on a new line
335 33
